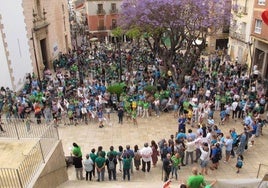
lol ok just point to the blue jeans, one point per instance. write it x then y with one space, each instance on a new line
126 173
174 170
101 174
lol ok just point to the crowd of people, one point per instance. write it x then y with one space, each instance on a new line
77 92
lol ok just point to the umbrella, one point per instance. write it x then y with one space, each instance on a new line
93 39
264 16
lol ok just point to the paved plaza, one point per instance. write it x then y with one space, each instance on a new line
154 128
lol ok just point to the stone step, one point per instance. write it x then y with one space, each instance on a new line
111 184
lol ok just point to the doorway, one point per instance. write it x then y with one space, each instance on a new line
43 46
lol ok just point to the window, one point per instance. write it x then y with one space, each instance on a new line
261 2
258 25
243 28
100 8
114 24
113 6
101 25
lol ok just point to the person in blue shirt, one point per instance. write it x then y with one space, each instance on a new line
181 135
182 124
235 141
223 116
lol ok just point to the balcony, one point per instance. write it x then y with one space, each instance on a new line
237 35
113 27
114 11
39 20
101 28
244 10
101 12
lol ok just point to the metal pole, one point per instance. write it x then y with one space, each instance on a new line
42 153
259 170
18 174
16 129
36 63
57 131
120 62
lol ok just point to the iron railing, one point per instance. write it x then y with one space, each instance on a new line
16 128
47 135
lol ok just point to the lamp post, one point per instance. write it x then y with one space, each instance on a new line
120 62
36 62
251 58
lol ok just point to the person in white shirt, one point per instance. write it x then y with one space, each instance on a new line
146 155
190 148
235 109
88 165
205 157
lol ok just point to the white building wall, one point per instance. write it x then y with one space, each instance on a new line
240 48
14 30
5 79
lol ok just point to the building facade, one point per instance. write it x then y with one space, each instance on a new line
240 31
33 33
259 34
102 17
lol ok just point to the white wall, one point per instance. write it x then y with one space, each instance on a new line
17 43
4 73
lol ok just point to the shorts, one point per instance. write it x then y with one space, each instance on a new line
203 164
227 152
215 160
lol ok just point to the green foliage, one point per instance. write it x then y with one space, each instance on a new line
118 32
134 33
150 89
117 88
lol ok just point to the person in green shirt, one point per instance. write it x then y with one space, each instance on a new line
93 157
176 162
126 166
196 180
140 107
111 152
76 151
145 109
217 101
100 166
101 152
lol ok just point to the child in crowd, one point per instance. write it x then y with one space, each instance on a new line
239 162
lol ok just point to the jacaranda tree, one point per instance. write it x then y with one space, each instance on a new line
180 22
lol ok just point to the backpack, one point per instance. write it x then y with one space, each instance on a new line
111 164
239 163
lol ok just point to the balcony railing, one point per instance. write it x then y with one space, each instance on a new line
244 10
113 27
101 28
101 12
114 11
236 35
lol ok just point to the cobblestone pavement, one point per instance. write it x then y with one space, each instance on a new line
155 128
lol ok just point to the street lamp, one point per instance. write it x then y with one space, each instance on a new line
251 57
36 62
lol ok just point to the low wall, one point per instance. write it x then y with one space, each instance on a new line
240 183
54 172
